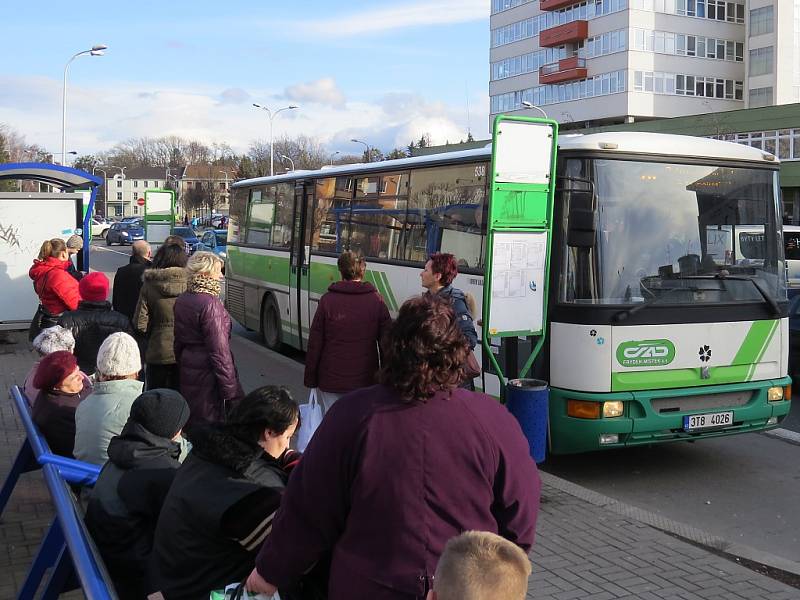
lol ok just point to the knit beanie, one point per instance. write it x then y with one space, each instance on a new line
53 339
75 242
162 412
94 287
119 355
53 369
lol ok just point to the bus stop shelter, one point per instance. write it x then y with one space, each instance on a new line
29 218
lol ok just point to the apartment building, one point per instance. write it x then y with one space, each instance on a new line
124 189
600 62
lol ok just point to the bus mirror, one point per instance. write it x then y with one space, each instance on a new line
582 219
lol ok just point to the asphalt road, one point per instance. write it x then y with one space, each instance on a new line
741 488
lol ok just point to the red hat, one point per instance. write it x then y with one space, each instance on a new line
94 287
53 369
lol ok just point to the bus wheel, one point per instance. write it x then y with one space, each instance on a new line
271 324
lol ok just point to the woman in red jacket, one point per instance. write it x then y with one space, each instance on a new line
56 288
351 318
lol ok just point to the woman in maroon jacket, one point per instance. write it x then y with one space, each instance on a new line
351 318
397 469
208 377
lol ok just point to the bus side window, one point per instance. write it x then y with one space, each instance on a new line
261 215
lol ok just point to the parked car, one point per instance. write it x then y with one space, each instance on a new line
189 237
125 233
216 220
99 227
216 241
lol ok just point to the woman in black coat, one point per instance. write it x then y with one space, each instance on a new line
93 321
126 500
223 498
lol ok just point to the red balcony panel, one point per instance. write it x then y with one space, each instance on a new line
564 34
562 76
555 4
567 69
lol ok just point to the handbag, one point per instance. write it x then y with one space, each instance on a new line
471 368
310 418
237 591
41 320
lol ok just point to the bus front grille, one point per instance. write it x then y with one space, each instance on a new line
234 300
701 402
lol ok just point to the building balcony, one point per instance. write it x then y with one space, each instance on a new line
555 4
567 33
567 69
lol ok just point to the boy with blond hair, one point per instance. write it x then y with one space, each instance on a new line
478 565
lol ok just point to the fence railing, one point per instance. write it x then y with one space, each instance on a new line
67 547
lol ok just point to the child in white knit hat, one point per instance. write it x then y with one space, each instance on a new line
48 341
104 413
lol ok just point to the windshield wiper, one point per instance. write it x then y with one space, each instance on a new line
756 284
624 314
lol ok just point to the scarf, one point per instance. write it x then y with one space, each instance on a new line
204 285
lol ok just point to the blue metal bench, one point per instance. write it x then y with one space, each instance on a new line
67 547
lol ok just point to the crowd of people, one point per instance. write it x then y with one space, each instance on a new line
413 486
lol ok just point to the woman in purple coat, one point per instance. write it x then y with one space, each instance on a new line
208 377
397 469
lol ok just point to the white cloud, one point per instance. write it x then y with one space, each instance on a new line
321 91
416 14
103 115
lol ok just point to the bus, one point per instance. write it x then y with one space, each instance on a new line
667 306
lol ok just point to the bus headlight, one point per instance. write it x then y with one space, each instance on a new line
774 394
612 409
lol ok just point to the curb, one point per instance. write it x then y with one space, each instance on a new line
676 528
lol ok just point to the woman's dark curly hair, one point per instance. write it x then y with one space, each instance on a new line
425 350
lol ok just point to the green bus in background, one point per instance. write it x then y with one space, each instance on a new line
667 311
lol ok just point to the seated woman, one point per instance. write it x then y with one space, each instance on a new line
105 411
48 341
397 469
127 498
223 498
61 389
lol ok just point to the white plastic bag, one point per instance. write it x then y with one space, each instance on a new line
310 418
237 591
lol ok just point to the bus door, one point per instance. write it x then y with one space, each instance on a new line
299 279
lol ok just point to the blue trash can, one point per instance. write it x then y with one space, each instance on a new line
527 400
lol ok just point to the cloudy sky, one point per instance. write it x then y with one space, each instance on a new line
382 71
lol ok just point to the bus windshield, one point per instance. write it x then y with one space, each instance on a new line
677 234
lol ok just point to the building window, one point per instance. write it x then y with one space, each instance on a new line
136 209
761 20
134 196
760 97
599 85
501 5
155 184
687 85
119 182
784 143
119 196
135 183
145 184
761 61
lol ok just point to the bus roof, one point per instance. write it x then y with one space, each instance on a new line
623 142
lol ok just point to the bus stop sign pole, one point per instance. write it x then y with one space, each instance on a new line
519 232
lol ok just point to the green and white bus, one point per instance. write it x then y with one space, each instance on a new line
667 307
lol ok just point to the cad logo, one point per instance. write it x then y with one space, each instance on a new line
646 353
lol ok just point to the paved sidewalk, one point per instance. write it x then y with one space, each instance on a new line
588 546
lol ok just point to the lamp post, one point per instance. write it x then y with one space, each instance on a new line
122 172
272 116
287 158
105 189
531 105
63 156
366 145
333 156
96 50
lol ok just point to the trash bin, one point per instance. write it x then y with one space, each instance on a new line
527 400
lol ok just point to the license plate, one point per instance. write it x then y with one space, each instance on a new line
707 421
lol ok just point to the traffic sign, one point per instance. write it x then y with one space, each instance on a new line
140 202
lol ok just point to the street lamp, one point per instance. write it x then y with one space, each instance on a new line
527 104
272 116
105 189
333 155
366 145
62 155
287 158
96 50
